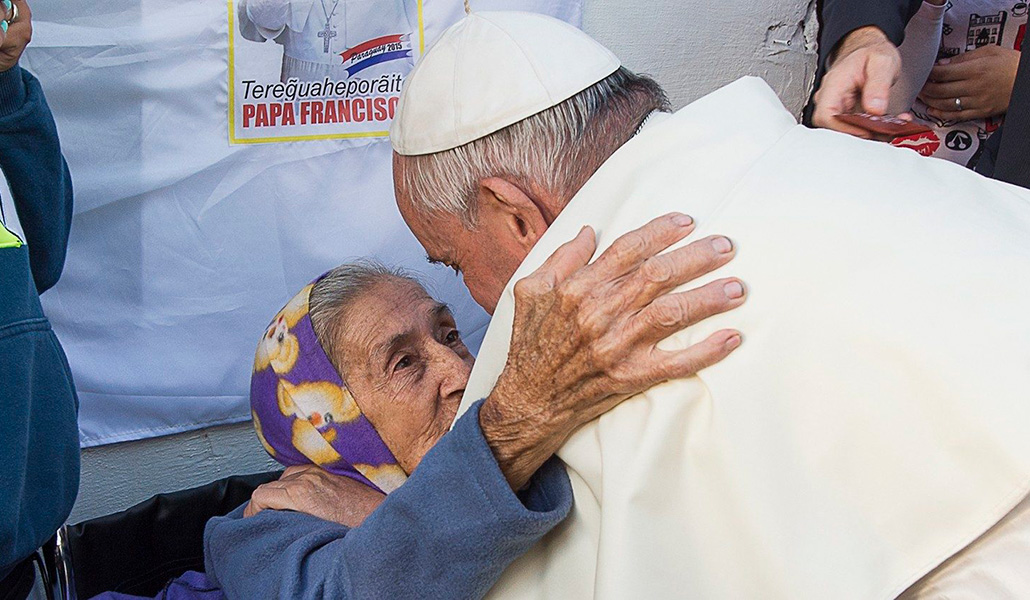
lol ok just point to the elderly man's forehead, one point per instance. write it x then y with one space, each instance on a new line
438 238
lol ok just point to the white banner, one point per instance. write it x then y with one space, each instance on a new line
184 244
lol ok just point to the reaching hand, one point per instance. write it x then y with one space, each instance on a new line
859 79
313 490
18 34
973 85
585 336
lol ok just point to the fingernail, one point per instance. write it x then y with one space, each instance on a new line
877 104
733 341
733 290
722 245
7 5
944 61
682 220
3 25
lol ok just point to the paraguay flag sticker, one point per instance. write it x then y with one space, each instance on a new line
375 52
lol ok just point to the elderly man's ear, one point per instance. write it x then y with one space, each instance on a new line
509 210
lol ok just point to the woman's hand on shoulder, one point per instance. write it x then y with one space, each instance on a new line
585 336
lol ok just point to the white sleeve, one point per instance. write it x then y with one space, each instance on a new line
918 54
262 20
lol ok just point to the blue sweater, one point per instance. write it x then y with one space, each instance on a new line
39 439
448 532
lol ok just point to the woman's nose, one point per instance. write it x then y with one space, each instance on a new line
454 371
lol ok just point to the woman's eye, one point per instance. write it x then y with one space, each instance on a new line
403 363
453 336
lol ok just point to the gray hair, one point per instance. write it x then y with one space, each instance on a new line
332 295
555 150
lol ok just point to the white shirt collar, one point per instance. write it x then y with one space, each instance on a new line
656 116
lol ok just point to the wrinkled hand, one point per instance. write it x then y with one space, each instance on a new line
313 490
17 37
859 79
585 336
982 79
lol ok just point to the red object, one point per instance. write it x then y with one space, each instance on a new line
925 142
883 125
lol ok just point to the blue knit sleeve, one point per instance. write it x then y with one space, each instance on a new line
448 532
39 437
41 186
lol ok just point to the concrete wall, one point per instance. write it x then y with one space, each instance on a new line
692 47
117 476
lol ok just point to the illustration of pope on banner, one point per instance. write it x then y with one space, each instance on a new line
340 72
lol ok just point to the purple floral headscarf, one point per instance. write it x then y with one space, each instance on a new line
303 412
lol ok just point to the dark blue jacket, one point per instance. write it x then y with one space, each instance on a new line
448 532
841 17
39 440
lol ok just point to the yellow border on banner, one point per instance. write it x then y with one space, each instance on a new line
421 31
296 138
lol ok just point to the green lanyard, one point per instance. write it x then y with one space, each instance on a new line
8 239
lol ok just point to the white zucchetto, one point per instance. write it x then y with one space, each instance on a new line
491 70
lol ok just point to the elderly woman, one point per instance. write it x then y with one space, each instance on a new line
356 384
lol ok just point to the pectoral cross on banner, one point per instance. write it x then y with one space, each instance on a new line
327 35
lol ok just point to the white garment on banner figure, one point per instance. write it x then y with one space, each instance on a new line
333 38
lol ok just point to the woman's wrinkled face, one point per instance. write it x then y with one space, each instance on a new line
405 364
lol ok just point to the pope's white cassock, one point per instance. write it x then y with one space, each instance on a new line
314 33
876 419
